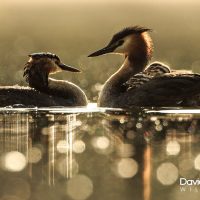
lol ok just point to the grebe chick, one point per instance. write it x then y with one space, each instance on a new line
136 83
43 91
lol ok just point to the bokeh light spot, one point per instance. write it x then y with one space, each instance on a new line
80 187
13 161
173 148
34 155
139 125
78 146
101 142
126 167
62 146
167 173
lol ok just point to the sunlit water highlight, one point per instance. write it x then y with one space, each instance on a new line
97 153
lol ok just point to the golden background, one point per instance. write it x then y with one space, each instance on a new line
74 29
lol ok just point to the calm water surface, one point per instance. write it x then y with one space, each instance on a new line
96 154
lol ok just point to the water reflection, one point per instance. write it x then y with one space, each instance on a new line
45 155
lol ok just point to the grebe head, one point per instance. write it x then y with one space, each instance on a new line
50 62
127 42
40 65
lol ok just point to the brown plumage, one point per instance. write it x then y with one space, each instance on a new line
44 91
137 84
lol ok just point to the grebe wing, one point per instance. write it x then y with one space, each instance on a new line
137 81
154 70
167 90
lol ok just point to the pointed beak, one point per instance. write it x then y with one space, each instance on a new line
68 68
105 50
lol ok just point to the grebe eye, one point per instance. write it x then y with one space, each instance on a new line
120 42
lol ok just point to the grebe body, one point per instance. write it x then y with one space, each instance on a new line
44 91
138 84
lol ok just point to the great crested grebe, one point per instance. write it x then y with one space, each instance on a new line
136 84
44 91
